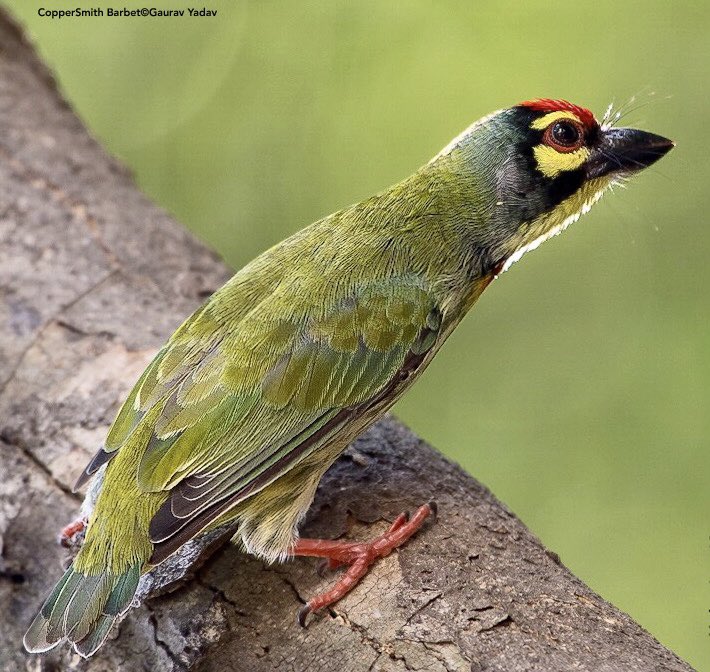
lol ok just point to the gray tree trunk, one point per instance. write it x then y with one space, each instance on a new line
93 278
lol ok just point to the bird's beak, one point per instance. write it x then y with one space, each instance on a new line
625 150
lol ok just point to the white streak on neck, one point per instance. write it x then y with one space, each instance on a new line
554 231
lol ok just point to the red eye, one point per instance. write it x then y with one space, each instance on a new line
564 135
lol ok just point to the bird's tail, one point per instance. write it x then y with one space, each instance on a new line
82 608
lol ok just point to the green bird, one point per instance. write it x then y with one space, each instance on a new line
243 410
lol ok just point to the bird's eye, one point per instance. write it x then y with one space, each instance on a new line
564 135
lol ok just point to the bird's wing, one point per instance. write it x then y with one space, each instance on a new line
187 350
223 413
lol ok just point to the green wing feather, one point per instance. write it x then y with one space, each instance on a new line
231 400
238 412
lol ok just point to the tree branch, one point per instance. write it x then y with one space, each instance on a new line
93 278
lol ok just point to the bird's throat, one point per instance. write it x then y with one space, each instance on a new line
533 233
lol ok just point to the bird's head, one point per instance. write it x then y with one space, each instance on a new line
536 167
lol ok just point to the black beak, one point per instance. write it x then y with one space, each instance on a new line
625 150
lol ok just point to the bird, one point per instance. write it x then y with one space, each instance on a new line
257 393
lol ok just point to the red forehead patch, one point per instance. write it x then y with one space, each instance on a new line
547 105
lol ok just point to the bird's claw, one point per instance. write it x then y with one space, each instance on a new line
71 535
303 615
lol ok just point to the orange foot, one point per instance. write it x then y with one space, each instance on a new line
68 537
359 555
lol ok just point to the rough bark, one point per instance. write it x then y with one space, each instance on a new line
93 277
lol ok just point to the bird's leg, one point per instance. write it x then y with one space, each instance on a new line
318 547
69 535
358 555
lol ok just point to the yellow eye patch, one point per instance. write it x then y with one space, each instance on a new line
551 163
543 122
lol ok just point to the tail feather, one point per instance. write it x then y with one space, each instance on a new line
82 608
35 639
87 647
86 606
122 592
56 627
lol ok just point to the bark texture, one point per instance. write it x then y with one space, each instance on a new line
93 278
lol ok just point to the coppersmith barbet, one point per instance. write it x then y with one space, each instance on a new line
257 393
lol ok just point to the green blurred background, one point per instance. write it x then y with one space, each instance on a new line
578 389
